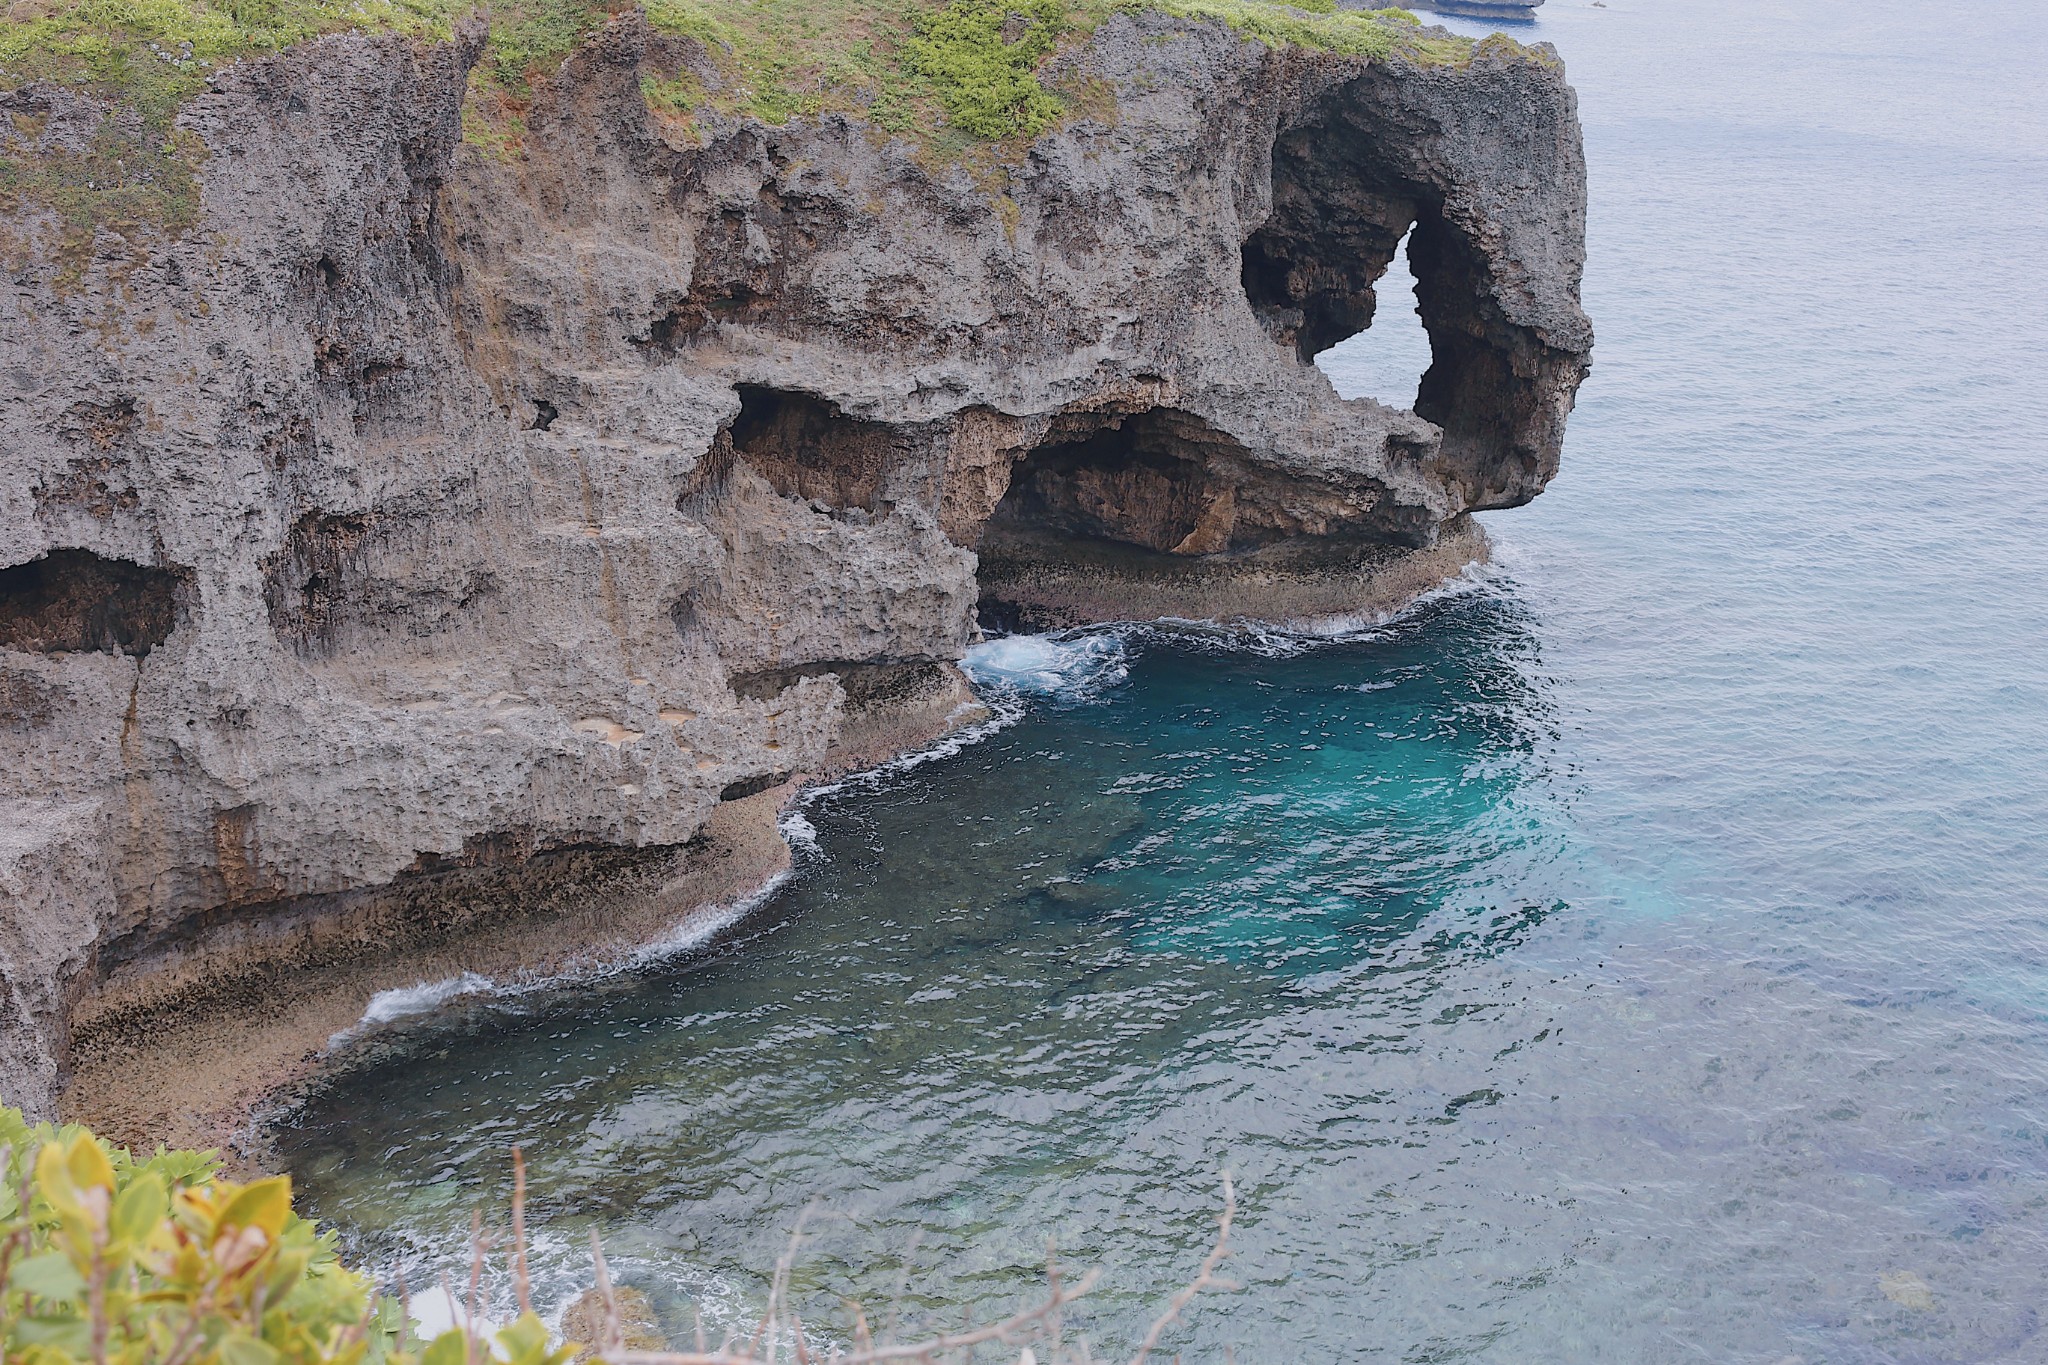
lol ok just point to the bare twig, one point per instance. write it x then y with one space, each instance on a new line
863 1339
189 1341
1204 1280
455 1311
96 1291
476 1283
778 1285
614 1338
520 1279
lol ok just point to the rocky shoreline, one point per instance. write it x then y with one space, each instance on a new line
198 1045
435 558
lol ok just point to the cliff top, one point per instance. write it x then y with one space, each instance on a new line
910 66
961 78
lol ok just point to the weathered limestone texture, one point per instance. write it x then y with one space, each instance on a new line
420 514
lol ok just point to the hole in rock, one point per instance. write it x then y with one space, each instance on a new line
670 331
1342 204
1309 270
74 600
1386 361
752 786
544 415
684 613
1145 479
307 583
807 448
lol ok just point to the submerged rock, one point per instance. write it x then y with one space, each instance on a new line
585 1321
421 517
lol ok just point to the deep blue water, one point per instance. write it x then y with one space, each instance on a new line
1639 954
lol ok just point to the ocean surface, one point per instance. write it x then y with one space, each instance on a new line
1637 953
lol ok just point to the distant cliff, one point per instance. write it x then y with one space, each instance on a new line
445 474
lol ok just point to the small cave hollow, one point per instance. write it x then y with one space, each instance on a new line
807 448
672 329
77 601
1150 479
308 582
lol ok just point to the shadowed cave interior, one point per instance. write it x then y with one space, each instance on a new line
1156 479
75 600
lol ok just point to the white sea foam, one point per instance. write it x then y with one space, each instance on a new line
436 1310
1065 663
797 830
691 934
1003 711
422 997
1068 665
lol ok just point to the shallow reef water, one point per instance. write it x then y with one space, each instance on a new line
1636 952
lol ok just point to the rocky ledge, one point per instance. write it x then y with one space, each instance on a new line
428 544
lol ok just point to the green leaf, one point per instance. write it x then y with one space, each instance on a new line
265 1204
139 1208
50 1275
71 1335
246 1350
88 1163
450 1348
525 1342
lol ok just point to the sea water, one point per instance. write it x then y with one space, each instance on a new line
1638 952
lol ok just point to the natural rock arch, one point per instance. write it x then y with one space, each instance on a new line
1350 182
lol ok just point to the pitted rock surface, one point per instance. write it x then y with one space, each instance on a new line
419 509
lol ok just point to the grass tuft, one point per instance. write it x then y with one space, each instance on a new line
1316 24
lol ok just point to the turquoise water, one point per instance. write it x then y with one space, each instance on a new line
1637 954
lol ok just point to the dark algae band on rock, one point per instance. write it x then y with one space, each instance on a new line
445 457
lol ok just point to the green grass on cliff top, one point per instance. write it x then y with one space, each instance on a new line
952 75
977 60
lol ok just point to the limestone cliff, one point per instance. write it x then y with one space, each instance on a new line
421 524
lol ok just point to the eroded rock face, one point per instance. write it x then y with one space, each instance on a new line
418 506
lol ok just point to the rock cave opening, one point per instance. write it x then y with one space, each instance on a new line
78 601
309 583
1149 479
806 447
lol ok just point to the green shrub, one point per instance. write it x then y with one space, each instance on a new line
162 1261
981 58
530 38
